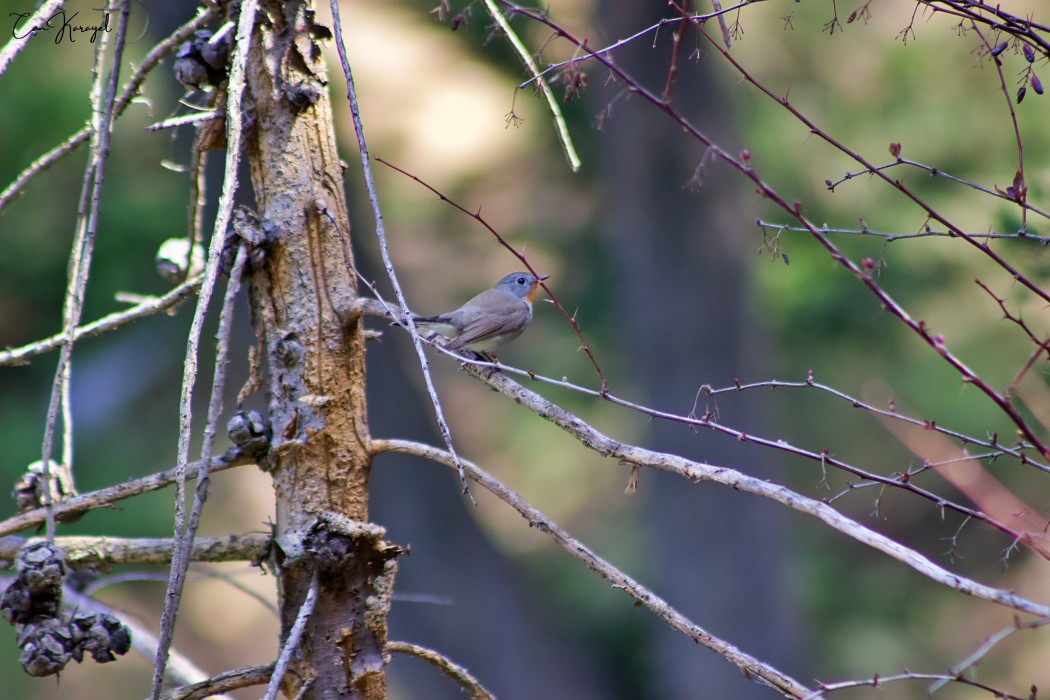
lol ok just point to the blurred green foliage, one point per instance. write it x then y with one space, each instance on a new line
862 85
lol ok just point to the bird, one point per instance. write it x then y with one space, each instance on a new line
491 319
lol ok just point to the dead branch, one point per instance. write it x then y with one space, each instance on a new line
108 551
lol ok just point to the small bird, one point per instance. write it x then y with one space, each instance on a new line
492 318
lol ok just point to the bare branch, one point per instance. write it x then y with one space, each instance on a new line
892 413
186 119
102 102
451 669
373 197
699 19
699 472
75 507
990 643
559 121
89 551
750 666
222 683
291 644
185 542
234 128
941 678
129 92
110 322
23 32
890 237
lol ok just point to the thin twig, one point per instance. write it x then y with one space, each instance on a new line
695 19
750 666
373 197
707 420
103 95
106 497
810 383
552 104
200 571
938 172
476 215
1041 346
221 683
16 43
880 681
448 667
204 570
983 650
110 322
234 128
185 120
701 472
997 19
291 643
182 552
152 59
891 237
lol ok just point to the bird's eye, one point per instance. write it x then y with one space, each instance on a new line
521 280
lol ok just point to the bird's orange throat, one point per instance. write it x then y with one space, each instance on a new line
531 296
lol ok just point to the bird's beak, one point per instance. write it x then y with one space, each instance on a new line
543 277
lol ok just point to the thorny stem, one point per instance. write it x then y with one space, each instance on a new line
476 215
707 420
937 172
1020 196
891 237
994 17
917 326
373 197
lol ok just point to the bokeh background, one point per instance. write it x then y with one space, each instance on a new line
675 287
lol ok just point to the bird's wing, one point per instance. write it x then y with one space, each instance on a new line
491 325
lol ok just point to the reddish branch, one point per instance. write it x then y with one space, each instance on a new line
476 215
794 209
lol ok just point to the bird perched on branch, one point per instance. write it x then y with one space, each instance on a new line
492 318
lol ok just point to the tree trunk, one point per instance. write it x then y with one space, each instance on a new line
314 368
